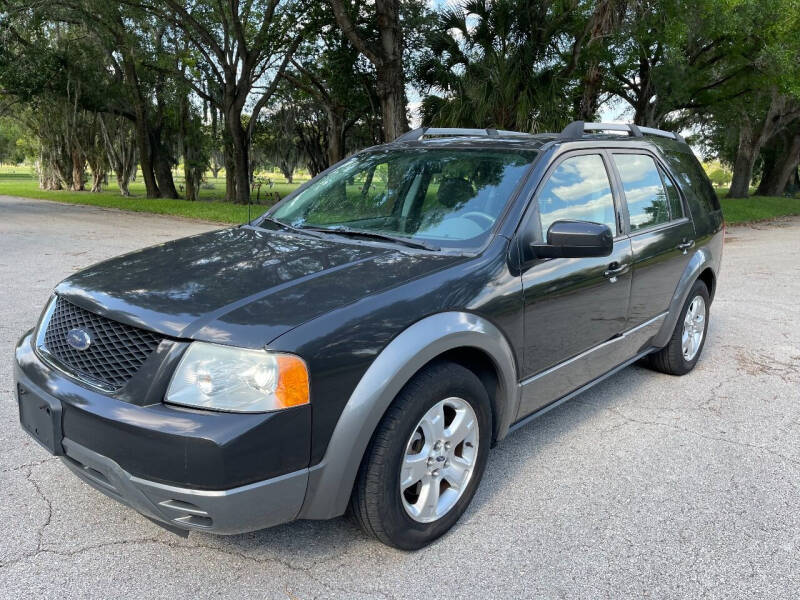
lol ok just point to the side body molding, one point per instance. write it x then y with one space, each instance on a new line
331 481
701 260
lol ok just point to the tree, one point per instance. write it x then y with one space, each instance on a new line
10 136
765 116
719 177
672 55
244 48
278 140
506 64
376 31
781 156
120 147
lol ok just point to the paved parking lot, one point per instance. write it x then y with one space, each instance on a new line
645 486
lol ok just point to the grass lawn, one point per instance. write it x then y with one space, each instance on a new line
22 181
758 208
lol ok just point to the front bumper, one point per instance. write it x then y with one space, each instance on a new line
246 508
219 472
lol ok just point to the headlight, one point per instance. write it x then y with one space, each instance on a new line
238 380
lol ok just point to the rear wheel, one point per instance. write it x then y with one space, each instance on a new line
425 461
684 348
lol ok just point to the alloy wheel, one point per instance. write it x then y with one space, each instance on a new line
439 460
694 325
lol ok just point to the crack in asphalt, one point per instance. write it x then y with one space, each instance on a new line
629 419
41 528
29 465
49 517
288 565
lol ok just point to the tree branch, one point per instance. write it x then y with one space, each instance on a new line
349 30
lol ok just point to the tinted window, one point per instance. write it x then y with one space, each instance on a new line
692 178
673 196
578 189
644 190
451 197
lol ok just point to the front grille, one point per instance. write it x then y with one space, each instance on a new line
116 351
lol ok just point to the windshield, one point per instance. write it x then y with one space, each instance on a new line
446 197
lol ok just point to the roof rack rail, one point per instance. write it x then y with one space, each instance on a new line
577 129
429 132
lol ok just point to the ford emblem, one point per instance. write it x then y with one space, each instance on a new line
79 339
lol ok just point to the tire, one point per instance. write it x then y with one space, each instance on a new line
672 359
381 504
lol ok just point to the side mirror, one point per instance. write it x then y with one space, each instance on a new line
575 239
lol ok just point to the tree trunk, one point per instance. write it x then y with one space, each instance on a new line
48 176
78 167
286 170
162 165
335 135
141 126
587 109
604 20
163 169
241 156
751 140
794 182
97 180
122 182
742 171
230 170
191 190
387 57
779 163
391 93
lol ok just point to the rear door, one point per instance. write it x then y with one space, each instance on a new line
661 234
572 306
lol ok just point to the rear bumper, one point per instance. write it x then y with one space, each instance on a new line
246 508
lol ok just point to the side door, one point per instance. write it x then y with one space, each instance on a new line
572 306
661 234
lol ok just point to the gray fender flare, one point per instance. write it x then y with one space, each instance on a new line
701 260
331 481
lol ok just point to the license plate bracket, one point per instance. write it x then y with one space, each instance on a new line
40 416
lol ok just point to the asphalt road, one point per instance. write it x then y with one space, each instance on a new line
645 486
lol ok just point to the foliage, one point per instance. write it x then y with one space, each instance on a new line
90 88
504 64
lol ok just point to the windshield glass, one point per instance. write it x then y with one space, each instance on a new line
447 197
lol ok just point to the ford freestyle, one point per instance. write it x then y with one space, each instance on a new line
366 342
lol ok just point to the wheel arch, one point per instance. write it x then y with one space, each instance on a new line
465 338
708 277
700 267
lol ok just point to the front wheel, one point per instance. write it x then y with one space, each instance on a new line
684 348
426 458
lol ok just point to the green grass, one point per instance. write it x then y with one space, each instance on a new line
758 208
22 181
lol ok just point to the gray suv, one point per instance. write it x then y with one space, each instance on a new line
366 342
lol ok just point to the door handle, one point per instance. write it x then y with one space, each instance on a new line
614 270
684 246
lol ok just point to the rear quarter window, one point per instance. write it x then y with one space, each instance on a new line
690 175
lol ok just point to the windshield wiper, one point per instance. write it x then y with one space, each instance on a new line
282 224
372 234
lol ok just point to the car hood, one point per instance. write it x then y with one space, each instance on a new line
241 286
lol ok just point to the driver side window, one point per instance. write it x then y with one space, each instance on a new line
578 189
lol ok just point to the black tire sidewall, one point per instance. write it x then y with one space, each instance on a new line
405 532
698 289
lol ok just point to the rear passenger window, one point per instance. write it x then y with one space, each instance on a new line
578 189
644 190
